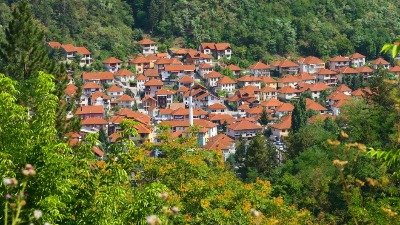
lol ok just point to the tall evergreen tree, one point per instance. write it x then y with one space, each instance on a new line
263 120
299 118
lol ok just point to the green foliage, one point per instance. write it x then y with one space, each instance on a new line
299 117
263 120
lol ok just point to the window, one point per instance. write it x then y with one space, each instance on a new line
222 110
213 110
158 88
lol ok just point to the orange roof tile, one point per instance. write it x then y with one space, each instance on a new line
148 97
116 119
259 66
183 89
111 60
146 41
311 60
54 44
198 55
342 88
130 114
186 79
358 93
271 103
98 76
163 61
154 82
267 79
114 137
206 66
221 142
380 60
68 47
340 103
72 135
364 69
356 56
82 51
71 89
310 104
285 107
347 70
339 58
115 88
123 72
221 117
166 111
256 110
305 76
226 80
244 125
213 74
125 98
152 57
222 46
98 94
91 85
97 151
164 91
243 107
233 67
216 106
319 87
90 109
210 45
287 63
142 77
94 121
142 129
326 72
268 89
285 124
338 96
151 73
179 68
395 69
162 54
139 60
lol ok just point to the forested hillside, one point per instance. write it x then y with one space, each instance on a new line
257 29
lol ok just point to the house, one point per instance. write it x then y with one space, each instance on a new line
327 76
338 62
70 92
284 109
380 61
242 110
260 69
160 64
249 80
140 64
226 84
255 112
221 118
307 78
316 89
268 93
315 106
70 53
125 101
181 53
343 88
223 143
235 69
152 86
344 72
112 64
223 51
395 70
288 80
93 124
244 129
201 97
337 106
90 88
148 46
174 72
183 114
271 103
99 98
165 114
212 78
269 82
186 81
152 59
205 69
90 111
149 104
133 115
145 134
197 58
287 93
164 98
98 77
140 80
287 67
207 48
310 64
124 76
365 71
216 108
357 60
335 97
250 94
281 129
152 74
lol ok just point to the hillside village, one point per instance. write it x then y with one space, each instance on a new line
186 87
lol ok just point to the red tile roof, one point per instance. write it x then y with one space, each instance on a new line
68 47
163 61
94 121
233 67
210 45
347 70
288 90
342 88
338 96
267 79
54 44
70 90
305 76
98 94
179 68
271 103
326 72
151 73
198 55
206 66
289 79
146 41
152 57
244 125
90 109
130 114
216 106
268 89
91 85
310 104
115 88
183 89
364 69
311 60
226 80
285 124
221 142
114 137
98 76
97 151
142 77
82 51
358 93
285 107
259 66
380 61
319 87
248 78
186 79
356 56
395 69
222 46
287 63
164 91
112 60
125 98
123 72
243 107
140 60
213 74
154 82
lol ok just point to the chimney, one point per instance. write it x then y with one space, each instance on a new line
190 108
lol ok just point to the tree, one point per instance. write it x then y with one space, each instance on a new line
103 137
223 126
263 120
299 117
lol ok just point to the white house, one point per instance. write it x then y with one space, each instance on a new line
310 64
174 72
380 61
357 60
112 64
243 128
226 84
212 78
148 46
249 81
140 80
338 62
152 86
259 69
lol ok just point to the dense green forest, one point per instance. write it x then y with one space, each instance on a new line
257 29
